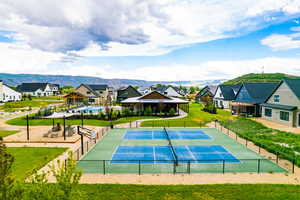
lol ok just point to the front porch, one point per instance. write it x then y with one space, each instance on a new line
241 108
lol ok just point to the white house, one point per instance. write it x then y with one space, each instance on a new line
38 89
7 94
170 91
224 95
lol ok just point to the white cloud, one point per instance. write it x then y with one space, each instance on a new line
143 26
282 42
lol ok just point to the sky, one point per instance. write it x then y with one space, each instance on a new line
155 40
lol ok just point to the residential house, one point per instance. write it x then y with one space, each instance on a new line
206 94
156 100
224 95
8 94
96 94
38 89
250 98
128 92
283 105
170 91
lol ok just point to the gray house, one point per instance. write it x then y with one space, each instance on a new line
283 105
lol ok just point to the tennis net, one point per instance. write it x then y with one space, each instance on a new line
171 146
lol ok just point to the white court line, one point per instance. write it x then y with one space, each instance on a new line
192 155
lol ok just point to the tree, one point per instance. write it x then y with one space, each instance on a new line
8 189
192 90
172 112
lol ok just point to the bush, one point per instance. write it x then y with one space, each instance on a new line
210 108
125 112
148 111
172 112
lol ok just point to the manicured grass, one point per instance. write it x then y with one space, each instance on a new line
12 106
284 143
48 98
92 122
29 158
199 192
4 133
195 118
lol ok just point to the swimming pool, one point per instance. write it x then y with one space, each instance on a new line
91 109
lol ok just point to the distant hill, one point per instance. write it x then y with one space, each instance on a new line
268 77
16 79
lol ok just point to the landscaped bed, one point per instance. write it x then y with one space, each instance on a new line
29 158
286 144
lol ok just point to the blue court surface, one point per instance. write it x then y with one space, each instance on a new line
164 154
161 135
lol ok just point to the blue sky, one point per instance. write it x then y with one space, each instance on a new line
150 40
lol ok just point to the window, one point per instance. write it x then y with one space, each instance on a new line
284 116
88 92
276 98
268 112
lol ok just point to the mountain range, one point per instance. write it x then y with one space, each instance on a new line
16 79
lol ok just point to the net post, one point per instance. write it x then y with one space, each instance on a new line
130 124
103 163
246 142
223 166
189 166
258 166
259 149
139 167
277 158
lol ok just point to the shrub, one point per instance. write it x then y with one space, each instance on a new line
172 112
148 111
210 108
125 112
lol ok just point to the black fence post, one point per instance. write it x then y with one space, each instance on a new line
139 167
236 138
64 132
27 124
53 123
189 166
104 167
174 167
259 149
184 124
293 167
258 166
277 158
81 136
246 142
81 119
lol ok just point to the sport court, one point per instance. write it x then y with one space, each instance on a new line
188 150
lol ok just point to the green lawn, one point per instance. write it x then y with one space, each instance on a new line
199 192
19 105
29 158
285 143
92 122
4 133
196 117
48 98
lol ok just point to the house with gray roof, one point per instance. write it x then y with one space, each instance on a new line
283 104
250 97
168 90
206 94
127 92
38 89
95 93
225 94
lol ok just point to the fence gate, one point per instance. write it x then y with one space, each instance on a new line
182 168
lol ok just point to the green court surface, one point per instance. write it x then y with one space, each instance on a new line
98 159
